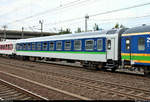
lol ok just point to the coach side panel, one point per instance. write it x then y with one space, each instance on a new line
89 49
136 49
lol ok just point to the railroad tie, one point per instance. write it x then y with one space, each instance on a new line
49 87
1 99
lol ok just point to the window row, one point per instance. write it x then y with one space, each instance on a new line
89 45
6 47
141 44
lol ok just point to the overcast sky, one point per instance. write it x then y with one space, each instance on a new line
27 13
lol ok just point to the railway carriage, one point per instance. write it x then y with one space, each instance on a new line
136 48
112 49
7 47
92 49
89 47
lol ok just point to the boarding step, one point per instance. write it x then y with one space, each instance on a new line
110 67
110 64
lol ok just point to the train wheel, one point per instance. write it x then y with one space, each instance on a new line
147 71
85 66
99 66
113 69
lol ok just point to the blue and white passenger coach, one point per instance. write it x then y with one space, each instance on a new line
91 49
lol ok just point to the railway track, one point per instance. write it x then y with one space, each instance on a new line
105 87
9 91
77 97
118 71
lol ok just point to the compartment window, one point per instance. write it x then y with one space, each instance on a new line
45 46
38 46
89 44
51 45
109 44
18 47
58 45
5 47
24 46
77 44
100 44
128 44
67 45
29 46
9 47
33 46
141 44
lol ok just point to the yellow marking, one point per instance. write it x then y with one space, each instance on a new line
130 34
125 54
140 54
138 61
134 54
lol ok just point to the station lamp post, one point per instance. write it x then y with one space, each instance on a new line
41 22
86 18
5 26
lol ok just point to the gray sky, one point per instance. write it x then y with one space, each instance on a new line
26 13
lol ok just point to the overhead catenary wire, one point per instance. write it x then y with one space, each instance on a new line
91 24
100 20
93 15
70 4
121 9
122 18
98 14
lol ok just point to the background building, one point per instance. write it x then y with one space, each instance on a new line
12 34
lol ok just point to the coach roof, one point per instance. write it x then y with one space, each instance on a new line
64 37
139 29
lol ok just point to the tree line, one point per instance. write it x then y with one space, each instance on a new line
95 28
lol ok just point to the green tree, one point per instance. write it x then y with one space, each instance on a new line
78 30
116 26
122 26
96 27
66 31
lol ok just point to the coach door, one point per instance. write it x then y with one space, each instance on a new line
128 47
111 48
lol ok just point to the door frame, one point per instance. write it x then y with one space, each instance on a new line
112 48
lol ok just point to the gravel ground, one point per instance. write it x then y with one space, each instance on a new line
50 94
129 80
28 72
63 85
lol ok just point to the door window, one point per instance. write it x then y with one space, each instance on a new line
109 44
128 44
